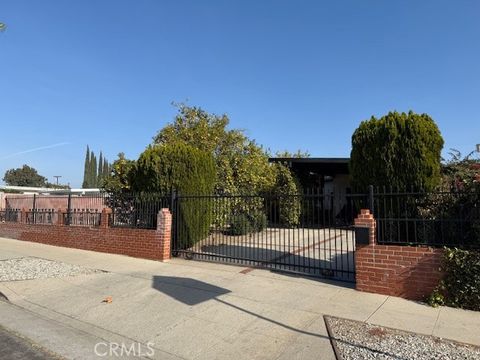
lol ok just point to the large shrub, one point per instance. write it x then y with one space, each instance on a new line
398 150
286 192
461 284
182 168
242 165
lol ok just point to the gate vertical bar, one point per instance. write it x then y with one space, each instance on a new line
370 198
173 209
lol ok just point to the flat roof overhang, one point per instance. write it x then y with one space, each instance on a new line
326 166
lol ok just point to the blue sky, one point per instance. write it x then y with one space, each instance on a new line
293 74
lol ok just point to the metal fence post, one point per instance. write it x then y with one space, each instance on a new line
69 209
370 198
34 205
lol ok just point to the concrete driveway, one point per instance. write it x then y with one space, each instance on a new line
195 310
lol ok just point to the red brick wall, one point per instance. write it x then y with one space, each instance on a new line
405 271
147 244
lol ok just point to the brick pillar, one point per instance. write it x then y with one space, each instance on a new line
365 219
104 217
164 233
365 262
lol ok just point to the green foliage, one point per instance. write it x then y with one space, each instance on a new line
242 165
100 169
248 222
461 284
240 225
86 170
120 179
398 150
56 186
190 171
93 170
258 220
285 188
461 173
24 176
457 203
94 175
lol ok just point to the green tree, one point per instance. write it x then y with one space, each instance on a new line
190 171
86 170
106 168
242 165
24 176
93 170
287 189
399 150
120 178
100 170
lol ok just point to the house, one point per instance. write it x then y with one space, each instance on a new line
327 176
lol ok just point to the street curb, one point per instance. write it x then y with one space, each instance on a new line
332 340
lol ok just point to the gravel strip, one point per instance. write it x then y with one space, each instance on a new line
29 268
358 340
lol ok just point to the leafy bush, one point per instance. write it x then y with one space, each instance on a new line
285 189
258 220
163 168
398 150
240 225
461 285
246 223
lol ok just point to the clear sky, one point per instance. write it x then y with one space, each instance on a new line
294 74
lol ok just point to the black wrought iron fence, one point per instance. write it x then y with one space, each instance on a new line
42 216
439 218
308 233
9 215
136 210
83 217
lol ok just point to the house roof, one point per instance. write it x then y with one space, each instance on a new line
327 166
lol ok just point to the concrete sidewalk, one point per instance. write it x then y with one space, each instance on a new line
194 310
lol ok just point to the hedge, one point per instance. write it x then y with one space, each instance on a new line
187 170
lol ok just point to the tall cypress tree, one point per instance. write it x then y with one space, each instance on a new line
100 170
106 168
94 171
86 169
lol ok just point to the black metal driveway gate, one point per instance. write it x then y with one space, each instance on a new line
310 233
